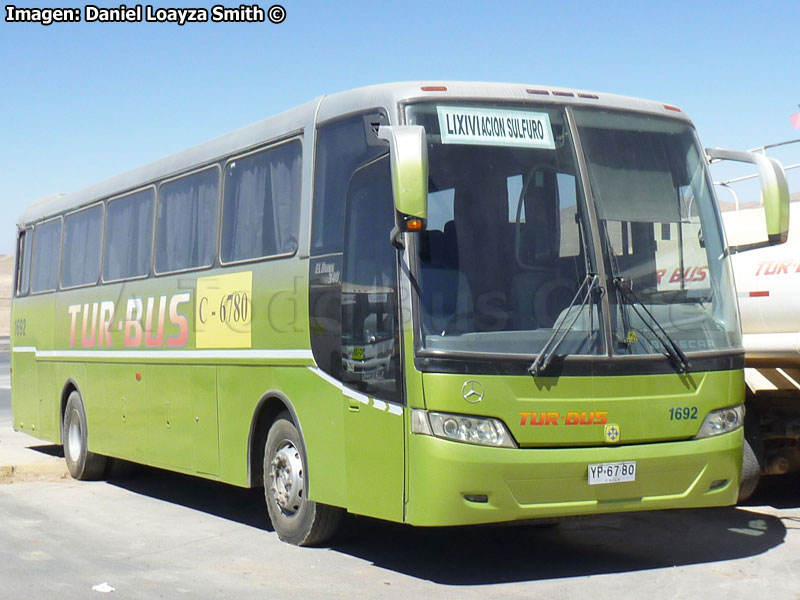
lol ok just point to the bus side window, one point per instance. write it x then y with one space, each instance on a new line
83 232
341 147
261 206
186 230
129 236
23 272
46 256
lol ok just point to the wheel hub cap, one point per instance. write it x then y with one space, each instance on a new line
286 478
74 435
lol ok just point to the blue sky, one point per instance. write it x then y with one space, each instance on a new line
82 102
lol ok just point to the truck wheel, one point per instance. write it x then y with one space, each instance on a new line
751 472
82 464
296 519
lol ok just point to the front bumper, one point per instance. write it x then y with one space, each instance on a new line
521 484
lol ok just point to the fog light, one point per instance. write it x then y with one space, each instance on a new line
481 498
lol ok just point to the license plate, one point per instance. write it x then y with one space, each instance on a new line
612 472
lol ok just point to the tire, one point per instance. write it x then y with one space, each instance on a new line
751 472
296 519
82 464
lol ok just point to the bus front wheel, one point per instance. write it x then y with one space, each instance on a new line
81 463
751 471
296 519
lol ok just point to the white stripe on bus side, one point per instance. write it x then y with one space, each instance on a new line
134 354
391 407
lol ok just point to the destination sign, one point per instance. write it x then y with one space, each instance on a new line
495 127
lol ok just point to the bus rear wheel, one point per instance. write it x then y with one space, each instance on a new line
81 463
296 519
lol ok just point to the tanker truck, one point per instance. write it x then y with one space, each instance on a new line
768 286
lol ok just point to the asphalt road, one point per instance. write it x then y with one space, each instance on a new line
157 535
152 534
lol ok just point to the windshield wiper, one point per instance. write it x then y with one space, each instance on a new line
590 282
672 349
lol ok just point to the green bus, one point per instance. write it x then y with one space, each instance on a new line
431 303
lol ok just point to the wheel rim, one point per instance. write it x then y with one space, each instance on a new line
286 478
74 438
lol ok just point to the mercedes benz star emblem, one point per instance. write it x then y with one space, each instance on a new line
472 391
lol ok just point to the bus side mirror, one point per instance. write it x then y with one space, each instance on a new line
774 193
408 155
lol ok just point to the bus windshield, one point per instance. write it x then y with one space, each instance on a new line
509 242
661 232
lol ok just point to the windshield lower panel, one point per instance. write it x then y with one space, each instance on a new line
571 366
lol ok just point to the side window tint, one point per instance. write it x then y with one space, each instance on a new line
46 250
186 232
80 262
129 235
261 208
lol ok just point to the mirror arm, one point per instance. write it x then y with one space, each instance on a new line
748 247
396 237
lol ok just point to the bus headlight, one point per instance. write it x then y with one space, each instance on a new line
483 431
721 421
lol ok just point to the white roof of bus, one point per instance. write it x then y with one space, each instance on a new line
322 109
